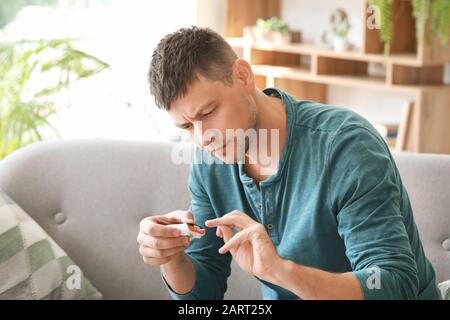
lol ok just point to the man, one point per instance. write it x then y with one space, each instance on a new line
323 216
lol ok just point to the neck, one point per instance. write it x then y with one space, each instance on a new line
264 152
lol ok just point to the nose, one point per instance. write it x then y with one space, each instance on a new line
201 135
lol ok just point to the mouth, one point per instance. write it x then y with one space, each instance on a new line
220 151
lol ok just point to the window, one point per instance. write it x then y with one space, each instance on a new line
115 103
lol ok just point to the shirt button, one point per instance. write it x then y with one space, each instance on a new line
269 226
250 185
259 206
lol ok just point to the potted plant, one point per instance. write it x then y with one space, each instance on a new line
273 31
32 72
339 29
340 41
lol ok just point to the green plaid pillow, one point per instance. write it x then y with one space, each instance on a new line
444 287
32 265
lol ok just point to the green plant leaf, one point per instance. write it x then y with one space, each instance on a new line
385 7
440 18
25 115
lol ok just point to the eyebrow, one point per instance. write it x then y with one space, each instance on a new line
197 114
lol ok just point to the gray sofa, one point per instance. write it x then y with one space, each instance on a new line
90 196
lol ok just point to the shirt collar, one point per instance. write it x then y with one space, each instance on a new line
288 105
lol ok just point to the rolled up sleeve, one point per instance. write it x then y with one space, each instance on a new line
365 193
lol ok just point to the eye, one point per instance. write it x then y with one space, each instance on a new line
209 113
187 126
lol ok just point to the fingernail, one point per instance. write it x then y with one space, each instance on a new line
176 233
186 242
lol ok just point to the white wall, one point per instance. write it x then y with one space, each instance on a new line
311 17
210 13
117 103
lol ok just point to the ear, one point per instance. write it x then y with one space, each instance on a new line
243 75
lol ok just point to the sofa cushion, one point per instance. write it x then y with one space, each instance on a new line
32 265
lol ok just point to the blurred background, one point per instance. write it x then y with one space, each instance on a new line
77 69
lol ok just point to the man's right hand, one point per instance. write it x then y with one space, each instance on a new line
160 243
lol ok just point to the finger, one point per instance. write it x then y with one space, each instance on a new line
167 243
155 261
162 242
235 241
235 219
227 233
188 217
219 232
149 227
180 216
160 254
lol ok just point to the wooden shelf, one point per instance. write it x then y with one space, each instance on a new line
298 72
311 49
306 70
303 74
373 83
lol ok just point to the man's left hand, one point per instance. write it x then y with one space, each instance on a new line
251 246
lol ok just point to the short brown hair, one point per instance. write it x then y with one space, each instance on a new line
181 55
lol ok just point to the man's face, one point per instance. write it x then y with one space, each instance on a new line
216 114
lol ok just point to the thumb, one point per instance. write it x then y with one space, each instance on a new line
187 217
180 216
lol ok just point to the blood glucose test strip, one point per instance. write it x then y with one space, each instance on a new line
189 229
